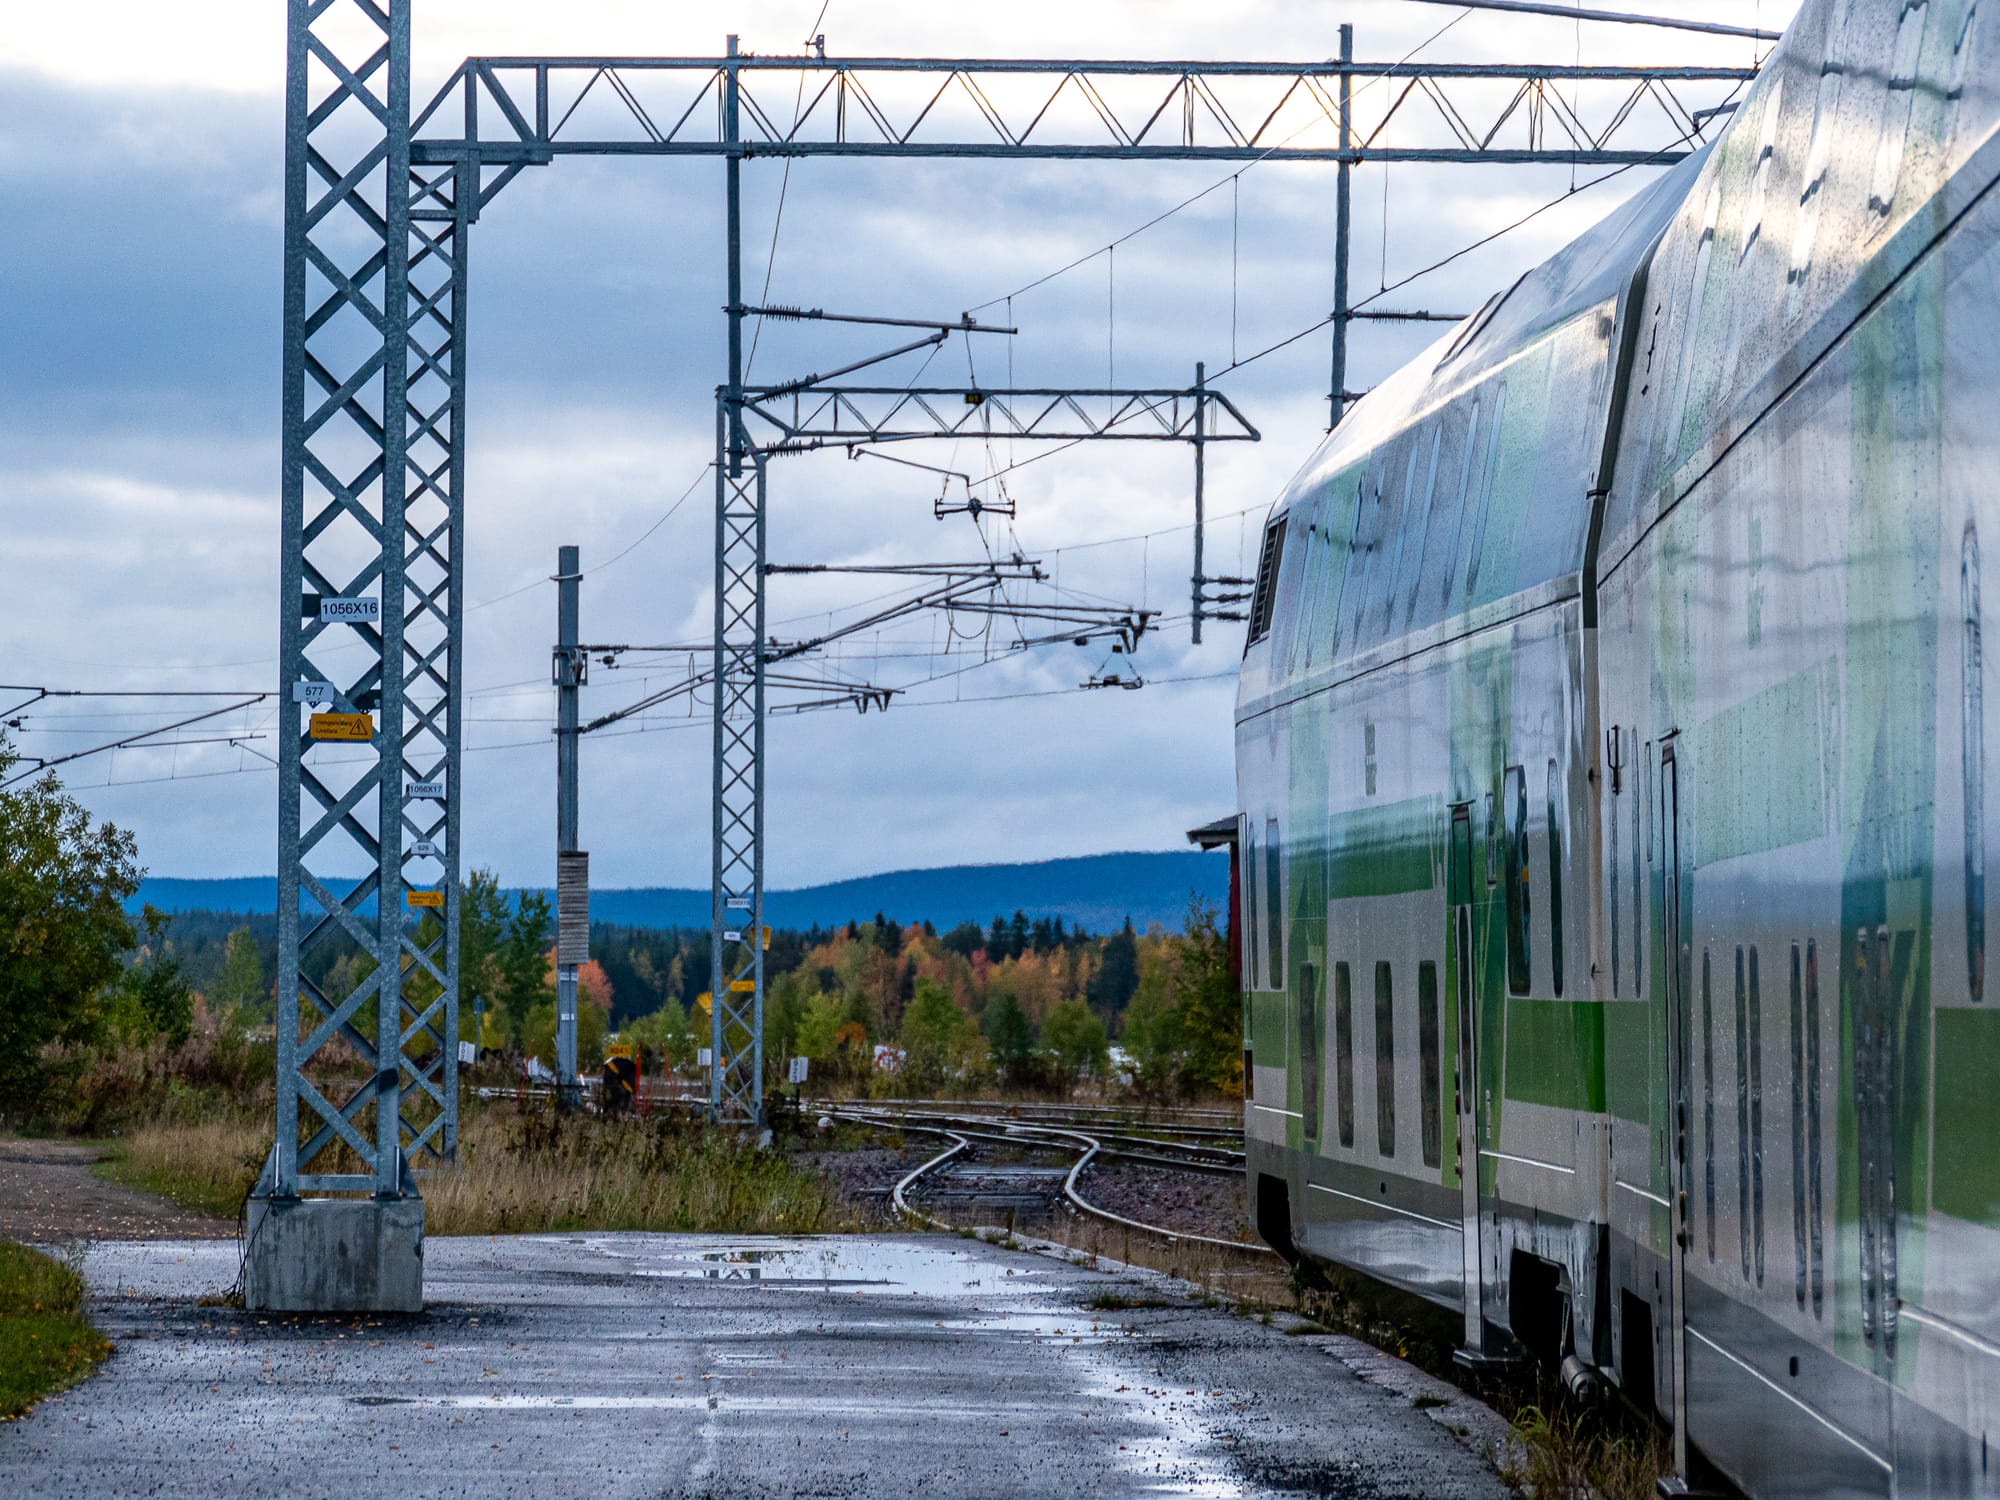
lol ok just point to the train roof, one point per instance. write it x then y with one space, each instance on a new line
1591 270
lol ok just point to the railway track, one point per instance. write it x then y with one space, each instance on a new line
995 1158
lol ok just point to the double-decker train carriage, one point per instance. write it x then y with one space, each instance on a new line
1612 753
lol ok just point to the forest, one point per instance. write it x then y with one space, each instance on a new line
1019 1004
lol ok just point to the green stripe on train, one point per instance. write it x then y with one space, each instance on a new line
1555 1053
1386 850
1763 770
1965 1181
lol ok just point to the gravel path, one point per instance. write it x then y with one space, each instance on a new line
48 1196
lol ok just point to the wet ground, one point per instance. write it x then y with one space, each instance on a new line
666 1365
48 1195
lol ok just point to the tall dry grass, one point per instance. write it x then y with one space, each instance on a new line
541 1172
526 1174
207 1165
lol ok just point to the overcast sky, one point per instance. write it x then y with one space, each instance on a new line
140 167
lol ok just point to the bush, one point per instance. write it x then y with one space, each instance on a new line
46 1343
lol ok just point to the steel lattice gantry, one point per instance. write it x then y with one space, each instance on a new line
368 825
379 204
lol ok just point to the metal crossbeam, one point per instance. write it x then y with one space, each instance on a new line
820 415
516 111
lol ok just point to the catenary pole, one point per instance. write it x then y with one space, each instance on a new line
1336 395
568 673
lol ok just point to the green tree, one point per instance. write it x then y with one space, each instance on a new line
819 1027
241 984
936 1036
1211 1008
1153 1033
482 927
63 884
785 1002
1074 1039
522 959
153 996
1010 1037
665 1035
1117 974
965 939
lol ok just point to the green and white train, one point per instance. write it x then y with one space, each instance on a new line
1612 752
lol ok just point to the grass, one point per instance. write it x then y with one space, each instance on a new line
1568 1456
46 1343
539 1172
209 1166
525 1174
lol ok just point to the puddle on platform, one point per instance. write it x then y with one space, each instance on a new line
833 1264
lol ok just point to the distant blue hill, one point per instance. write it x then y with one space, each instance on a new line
1097 891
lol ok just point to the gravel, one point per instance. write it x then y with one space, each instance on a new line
48 1196
1205 1203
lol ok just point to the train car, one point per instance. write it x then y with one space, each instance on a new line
1611 746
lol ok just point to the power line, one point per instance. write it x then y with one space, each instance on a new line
1215 186
1569 13
49 764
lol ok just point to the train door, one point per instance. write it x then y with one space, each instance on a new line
1465 1084
1679 1024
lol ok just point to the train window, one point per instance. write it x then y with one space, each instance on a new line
1902 93
1867 1081
1385 1060
1412 587
1639 893
1973 763
1611 862
1742 1119
1798 1134
1310 1079
1253 916
1406 518
1514 801
1274 906
1343 1050
1708 1103
1819 157
1492 843
1760 181
1555 879
1350 623
1815 1217
1264 599
1308 598
1430 1062
1756 1118
1485 504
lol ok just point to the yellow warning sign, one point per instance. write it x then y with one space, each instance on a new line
617 1049
742 986
343 726
432 899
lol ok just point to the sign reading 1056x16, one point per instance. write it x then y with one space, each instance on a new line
349 610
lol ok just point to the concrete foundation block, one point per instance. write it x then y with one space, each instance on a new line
334 1255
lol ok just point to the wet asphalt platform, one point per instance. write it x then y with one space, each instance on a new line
612 1365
